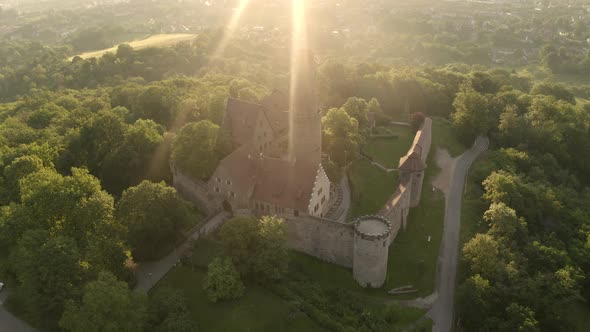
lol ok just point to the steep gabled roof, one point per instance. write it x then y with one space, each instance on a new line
285 184
240 165
412 163
277 101
240 118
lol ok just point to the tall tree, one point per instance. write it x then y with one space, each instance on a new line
107 306
194 149
155 217
341 138
470 118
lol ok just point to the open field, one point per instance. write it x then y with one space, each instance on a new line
370 186
163 40
258 310
388 151
263 310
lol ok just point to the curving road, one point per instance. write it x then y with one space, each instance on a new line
441 311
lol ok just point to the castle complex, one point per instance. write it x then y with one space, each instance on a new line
275 169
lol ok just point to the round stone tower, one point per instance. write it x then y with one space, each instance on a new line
371 248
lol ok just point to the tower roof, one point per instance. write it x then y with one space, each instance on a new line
284 183
412 163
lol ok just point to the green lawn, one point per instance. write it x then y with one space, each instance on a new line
258 310
263 310
388 151
371 187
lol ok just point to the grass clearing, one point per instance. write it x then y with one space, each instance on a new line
161 40
264 310
370 186
258 310
388 151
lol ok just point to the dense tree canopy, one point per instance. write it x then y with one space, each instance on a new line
194 150
258 247
107 305
155 217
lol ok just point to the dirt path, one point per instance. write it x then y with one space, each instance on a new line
446 164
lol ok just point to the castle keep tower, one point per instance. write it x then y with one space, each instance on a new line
371 250
305 122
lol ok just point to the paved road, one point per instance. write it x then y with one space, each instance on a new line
8 322
441 312
148 274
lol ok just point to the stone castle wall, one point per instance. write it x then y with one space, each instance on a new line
423 139
328 240
196 191
398 206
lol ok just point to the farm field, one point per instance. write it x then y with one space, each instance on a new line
162 40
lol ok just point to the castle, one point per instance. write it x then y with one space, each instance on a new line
275 169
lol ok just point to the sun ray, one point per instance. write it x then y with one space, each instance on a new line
298 60
231 28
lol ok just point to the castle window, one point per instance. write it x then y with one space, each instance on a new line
316 208
232 194
383 244
219 179
217 189
228 182
323 199
296 213
320 191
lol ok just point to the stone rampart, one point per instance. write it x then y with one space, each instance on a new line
328 240
423 140
398 206
196 191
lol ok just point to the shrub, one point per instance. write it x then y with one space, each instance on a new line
223 281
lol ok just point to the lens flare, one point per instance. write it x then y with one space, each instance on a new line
299 61
231 27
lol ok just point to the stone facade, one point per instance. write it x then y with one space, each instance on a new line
328 240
